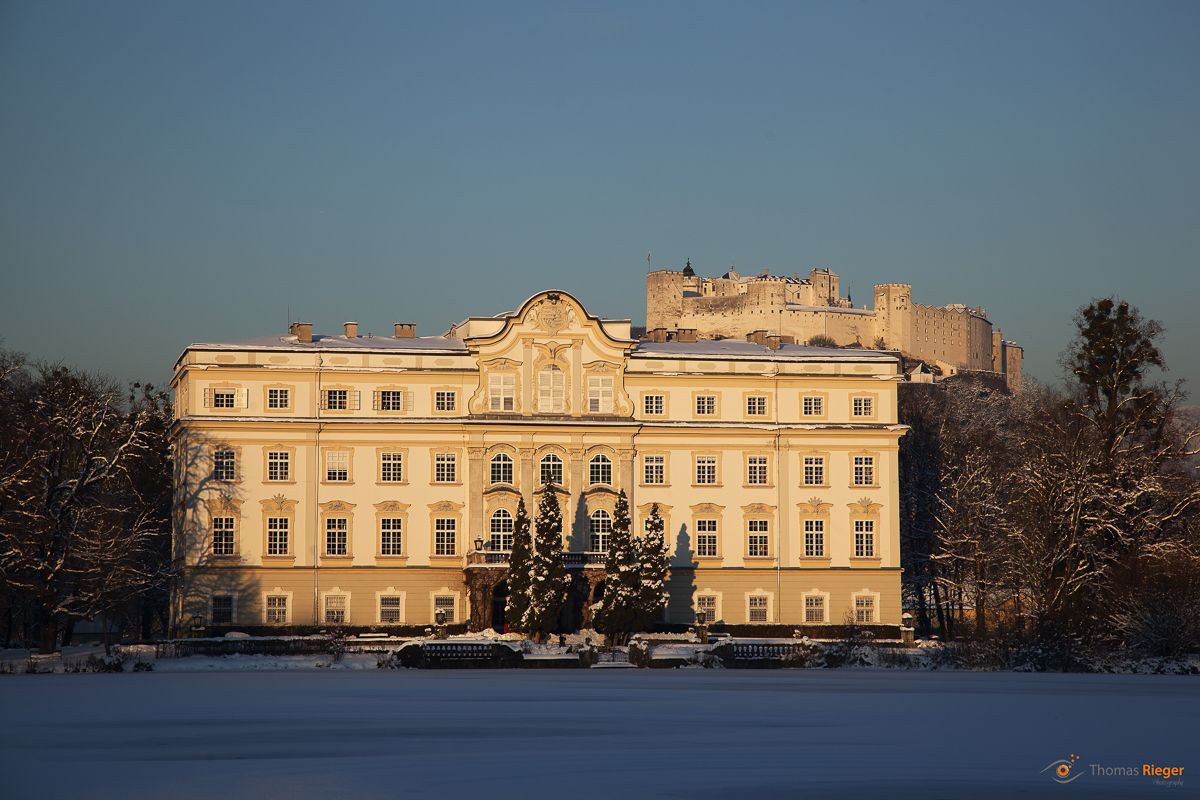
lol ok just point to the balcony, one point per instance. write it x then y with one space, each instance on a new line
489 558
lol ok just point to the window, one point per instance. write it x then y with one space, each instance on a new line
222 609
814 406
864 538
706 470
756 406
222 536
814 470
224 398
337 466
601 530
445 604
277 609
277 536
391 467
279 398
706 405
279 464
814 608
864 471
551 469
389 609
335 609
501 530
706 604
654 470
224 465
392 400
600 394
550 390
863 406
814 538
445 468
502 392
445 400
391 536
502 468
336 399
600 470
864 609
337 536
756 470
706 538
445 536
758 608
758 538
653 405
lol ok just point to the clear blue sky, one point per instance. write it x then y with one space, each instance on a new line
174 172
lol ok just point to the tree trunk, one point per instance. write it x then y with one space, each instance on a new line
48 641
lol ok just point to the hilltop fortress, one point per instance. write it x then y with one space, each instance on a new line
682 305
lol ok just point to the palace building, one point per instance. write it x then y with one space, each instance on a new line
372 481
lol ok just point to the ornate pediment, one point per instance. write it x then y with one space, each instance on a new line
336 507
445 506
707 508
814 506
758 508
865 505
392 507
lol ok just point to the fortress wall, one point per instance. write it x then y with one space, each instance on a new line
955 336
664 299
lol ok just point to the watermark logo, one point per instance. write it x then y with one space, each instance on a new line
1063 769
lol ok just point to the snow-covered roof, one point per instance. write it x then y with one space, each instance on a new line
738 348
320 342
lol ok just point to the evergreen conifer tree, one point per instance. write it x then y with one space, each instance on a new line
618 614
655 561
519 563
547 574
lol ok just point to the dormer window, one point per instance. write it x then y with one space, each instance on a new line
600 394
551 385
502 392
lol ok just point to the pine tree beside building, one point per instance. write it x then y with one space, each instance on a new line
618 615
547 574
519 564
655 562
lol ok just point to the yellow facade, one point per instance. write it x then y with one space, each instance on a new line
349 479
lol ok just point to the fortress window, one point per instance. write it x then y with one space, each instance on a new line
502 392
389 609
391 536
864 538
445 468
224 465
222 536
706 405
445 604
445 536
337 536
391 467
758 608
391 400
337 466
864 609
706 470
814 538
864 407
814 471
276 609
277 536
336 399
501 529
814 608
706 604
756 406
222 609
814 406
278 465
758 538
335 609
224 398
278 398
601 530
756 471
445 401
653 405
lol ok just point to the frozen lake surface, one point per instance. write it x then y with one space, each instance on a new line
600 733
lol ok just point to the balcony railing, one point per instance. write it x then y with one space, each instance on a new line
590 558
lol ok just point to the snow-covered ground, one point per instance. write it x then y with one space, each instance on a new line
590 733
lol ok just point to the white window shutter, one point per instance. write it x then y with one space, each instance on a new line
409 405
243 398
354 400
375 401
208 398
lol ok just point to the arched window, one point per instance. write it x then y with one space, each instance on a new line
550 390
601 526
501 530
552 469
600 470
502 468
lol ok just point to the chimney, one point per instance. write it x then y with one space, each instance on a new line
685 334
758 337
774 340
406 330
351 329
657 335
302 331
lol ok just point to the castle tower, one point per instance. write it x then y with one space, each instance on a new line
893 315
664 298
